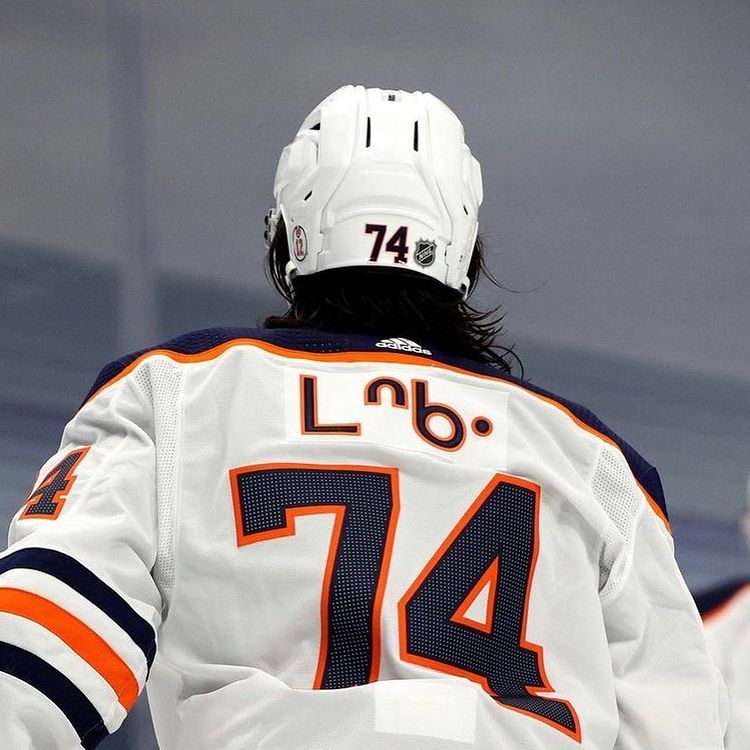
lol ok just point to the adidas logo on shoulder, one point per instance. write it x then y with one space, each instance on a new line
402 345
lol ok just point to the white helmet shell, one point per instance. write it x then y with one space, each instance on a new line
383 178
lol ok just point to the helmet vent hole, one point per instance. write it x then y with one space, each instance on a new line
465 211
316 126
308 195
367 136
416 136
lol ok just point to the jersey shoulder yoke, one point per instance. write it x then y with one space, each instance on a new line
318 344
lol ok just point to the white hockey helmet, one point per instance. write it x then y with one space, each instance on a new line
376 177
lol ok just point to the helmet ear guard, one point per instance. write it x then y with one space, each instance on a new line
379 178
271 221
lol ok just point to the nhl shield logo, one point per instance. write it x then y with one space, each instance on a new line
424 252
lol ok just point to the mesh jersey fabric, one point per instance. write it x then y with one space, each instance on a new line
342 544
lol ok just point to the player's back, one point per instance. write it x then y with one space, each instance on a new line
370 516
356 542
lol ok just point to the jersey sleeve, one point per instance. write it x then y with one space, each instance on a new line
79 609
739 722
726 613
669 693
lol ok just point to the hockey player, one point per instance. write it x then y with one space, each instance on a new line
352 528
726 614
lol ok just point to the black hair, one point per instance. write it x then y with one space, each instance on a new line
391 302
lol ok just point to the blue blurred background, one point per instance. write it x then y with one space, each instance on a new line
138 143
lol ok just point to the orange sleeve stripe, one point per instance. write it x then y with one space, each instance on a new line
655 506
78 636
394 357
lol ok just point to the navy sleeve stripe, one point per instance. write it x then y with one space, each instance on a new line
78 709
322 342
78 577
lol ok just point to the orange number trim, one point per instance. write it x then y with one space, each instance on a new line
338 511
524 642
59 497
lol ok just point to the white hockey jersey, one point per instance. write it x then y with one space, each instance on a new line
726 615
344 542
